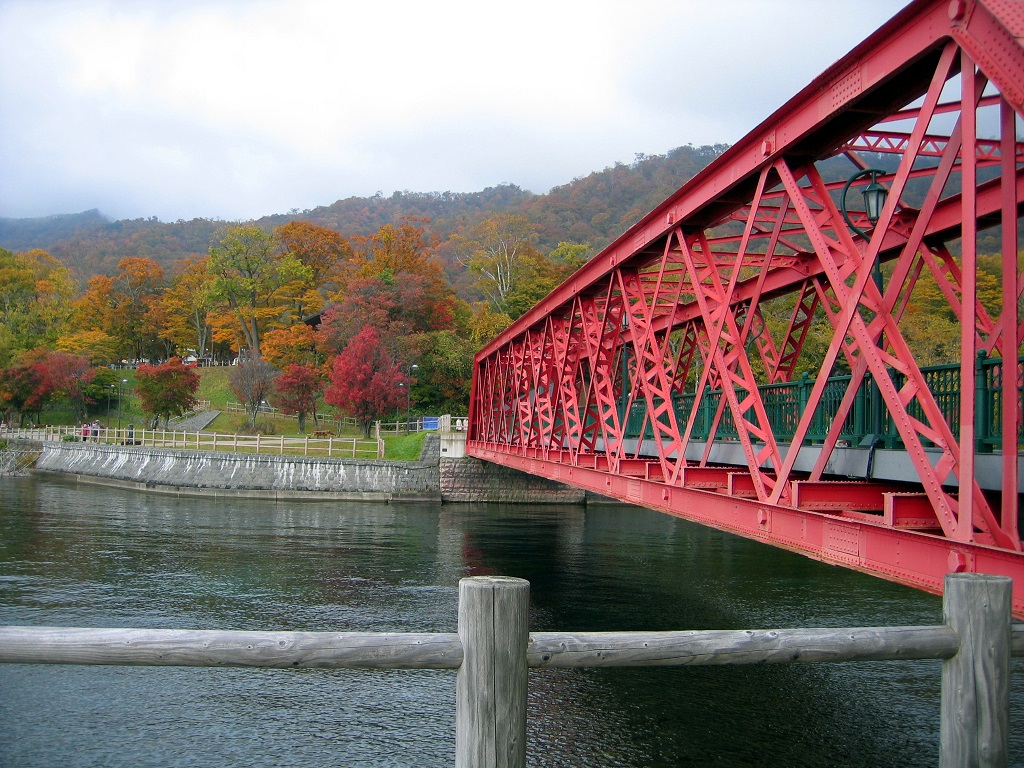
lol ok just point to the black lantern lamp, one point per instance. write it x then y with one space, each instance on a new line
875 195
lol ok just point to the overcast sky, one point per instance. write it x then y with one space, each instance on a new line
236 109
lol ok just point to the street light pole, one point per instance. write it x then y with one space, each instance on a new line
408 396
119 384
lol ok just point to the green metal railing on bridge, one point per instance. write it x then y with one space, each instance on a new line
869 421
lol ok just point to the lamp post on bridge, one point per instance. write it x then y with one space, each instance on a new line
875 195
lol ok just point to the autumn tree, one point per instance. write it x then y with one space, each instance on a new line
126 307
252 381
497 250
250 271
137 287
369 301
70 377
485 323
24 389
93 309
395 284
188 303
225 334
366 382
405 247
324 251
35 301
540 274
166 390
98 346
298 388
296 345
445 367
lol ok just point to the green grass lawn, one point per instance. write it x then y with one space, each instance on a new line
215 386
404 447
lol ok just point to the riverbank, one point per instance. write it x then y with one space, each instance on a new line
180 472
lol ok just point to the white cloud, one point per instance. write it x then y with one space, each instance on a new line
237 109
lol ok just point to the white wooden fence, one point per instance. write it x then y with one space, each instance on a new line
330 447
493 650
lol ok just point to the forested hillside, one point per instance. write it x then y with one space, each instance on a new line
591 210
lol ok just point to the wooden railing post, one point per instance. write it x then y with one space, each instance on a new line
490 699
975 729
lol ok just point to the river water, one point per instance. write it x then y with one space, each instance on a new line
97 557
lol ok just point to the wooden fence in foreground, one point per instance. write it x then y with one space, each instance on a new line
493 650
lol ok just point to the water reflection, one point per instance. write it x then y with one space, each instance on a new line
97 557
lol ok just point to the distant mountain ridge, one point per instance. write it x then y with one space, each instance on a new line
45 231
593 209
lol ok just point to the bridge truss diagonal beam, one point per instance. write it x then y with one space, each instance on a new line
664 371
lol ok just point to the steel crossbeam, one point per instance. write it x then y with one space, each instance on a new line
648 374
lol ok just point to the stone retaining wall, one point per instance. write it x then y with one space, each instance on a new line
469 479
205 473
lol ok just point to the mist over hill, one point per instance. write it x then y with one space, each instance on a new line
593 210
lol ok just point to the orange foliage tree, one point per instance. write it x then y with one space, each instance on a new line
323 250
296 345
188 303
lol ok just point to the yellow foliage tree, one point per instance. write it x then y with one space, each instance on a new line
98 346
296 345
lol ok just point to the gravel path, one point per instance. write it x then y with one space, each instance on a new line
194 423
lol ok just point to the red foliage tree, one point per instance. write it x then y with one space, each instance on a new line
70 376
365 381
166 390
297 390
24 389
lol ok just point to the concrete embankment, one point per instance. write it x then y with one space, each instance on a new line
436 476
205 473
17 456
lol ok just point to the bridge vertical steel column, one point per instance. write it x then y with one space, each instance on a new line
659 373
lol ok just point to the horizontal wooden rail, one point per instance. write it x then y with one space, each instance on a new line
384 650
781 646
492 651
227 648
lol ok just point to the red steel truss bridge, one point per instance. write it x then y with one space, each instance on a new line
741 356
